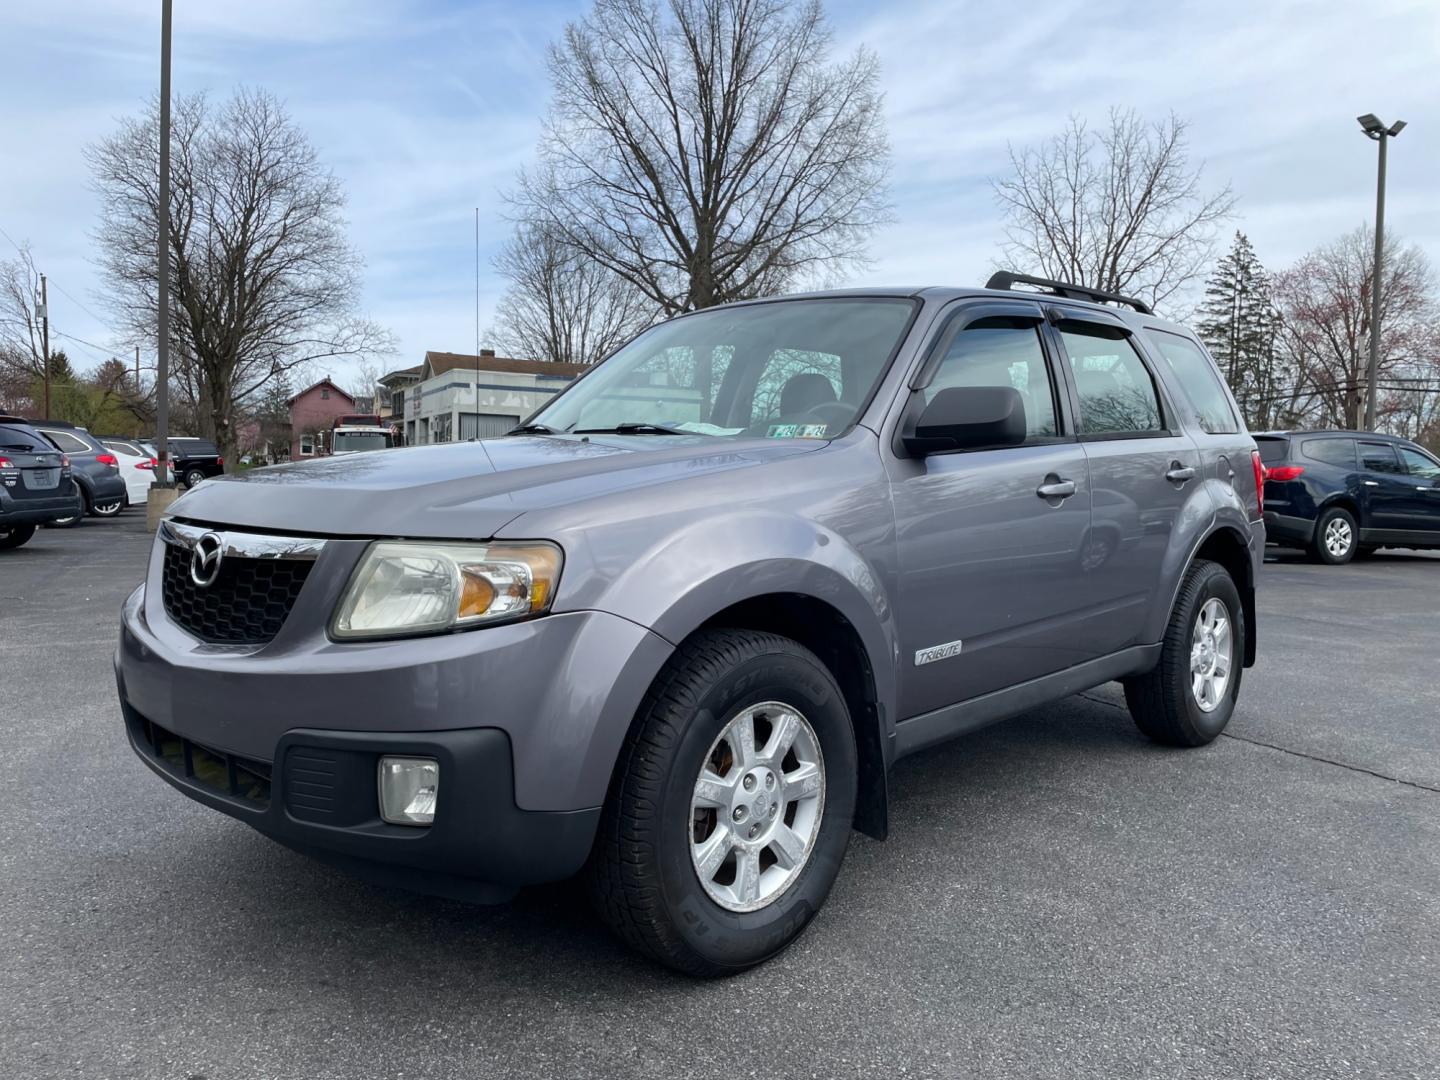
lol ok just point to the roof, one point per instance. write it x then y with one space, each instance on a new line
411 373
315 386
440 362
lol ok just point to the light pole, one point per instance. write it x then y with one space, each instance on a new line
1375 129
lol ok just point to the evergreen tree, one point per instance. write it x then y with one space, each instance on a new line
1239 325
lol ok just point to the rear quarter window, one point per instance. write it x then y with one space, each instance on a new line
1198 379
71 444
1330 451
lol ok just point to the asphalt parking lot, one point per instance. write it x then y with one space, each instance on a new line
1059 898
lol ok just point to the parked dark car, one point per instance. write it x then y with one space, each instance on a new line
193 460
1339 494
95 469
35 483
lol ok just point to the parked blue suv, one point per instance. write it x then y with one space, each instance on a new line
1339 494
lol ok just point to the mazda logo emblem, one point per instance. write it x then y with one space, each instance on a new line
205 559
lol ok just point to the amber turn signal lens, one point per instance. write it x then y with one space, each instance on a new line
476 595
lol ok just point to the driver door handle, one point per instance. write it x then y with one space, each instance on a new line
1178 473
1372 483
1056 489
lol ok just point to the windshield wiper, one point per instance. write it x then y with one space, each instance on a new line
17 446
633 428
532 429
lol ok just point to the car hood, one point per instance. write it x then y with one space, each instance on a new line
470 489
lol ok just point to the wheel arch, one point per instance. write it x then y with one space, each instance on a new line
1226 546
825 631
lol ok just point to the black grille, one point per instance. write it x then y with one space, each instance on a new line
246 604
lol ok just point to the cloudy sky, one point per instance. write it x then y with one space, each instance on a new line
426 108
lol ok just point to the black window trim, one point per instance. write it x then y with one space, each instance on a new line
1360 457
1055 317
1414 447
949 323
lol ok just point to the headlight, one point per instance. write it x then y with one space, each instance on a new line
414 587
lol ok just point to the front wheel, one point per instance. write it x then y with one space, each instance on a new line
732 805
14 536
1187 699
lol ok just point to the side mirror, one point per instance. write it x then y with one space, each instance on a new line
968 418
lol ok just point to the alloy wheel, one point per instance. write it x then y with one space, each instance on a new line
1338 537
1211 654
756 807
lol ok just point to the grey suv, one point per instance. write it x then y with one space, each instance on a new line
676 629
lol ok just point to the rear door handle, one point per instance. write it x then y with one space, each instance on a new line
1178 473
1431 490
1056 489
1372 483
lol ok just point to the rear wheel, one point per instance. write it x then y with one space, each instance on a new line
193 478
1336 537
74 519
1188 698
15 535
108 509
732 805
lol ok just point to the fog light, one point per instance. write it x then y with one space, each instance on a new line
408 787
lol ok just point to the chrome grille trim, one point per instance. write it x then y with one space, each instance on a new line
244 545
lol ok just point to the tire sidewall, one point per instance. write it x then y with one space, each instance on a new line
740 939
1323 552
1216 584
194 478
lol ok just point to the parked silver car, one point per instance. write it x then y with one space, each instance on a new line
676 629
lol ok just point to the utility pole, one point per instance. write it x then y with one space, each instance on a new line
162 248
45 340
137 369
1375 129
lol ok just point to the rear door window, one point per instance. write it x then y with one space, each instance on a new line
1379 457
1193 370
1117 394
1330 451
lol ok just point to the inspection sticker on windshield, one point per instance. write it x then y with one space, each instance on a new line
796 431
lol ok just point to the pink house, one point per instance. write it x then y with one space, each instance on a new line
312 411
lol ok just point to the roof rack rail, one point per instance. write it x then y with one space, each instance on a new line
1004 279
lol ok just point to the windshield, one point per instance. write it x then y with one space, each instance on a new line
360 440
792 369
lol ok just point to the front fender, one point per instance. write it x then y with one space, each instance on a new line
694 574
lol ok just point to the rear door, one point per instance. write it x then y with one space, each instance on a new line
1423 509
988 564
1386 492
1142 467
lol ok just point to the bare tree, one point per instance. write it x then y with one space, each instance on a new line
561 304
22 354
706 150
1324 302
1120 209
263 279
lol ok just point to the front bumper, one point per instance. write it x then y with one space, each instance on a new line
527 720
319 797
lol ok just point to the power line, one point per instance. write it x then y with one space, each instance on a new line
57 285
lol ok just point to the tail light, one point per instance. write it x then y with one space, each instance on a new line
1284 472
1259 481
108 459
64 461
148 463
220 461
6 463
